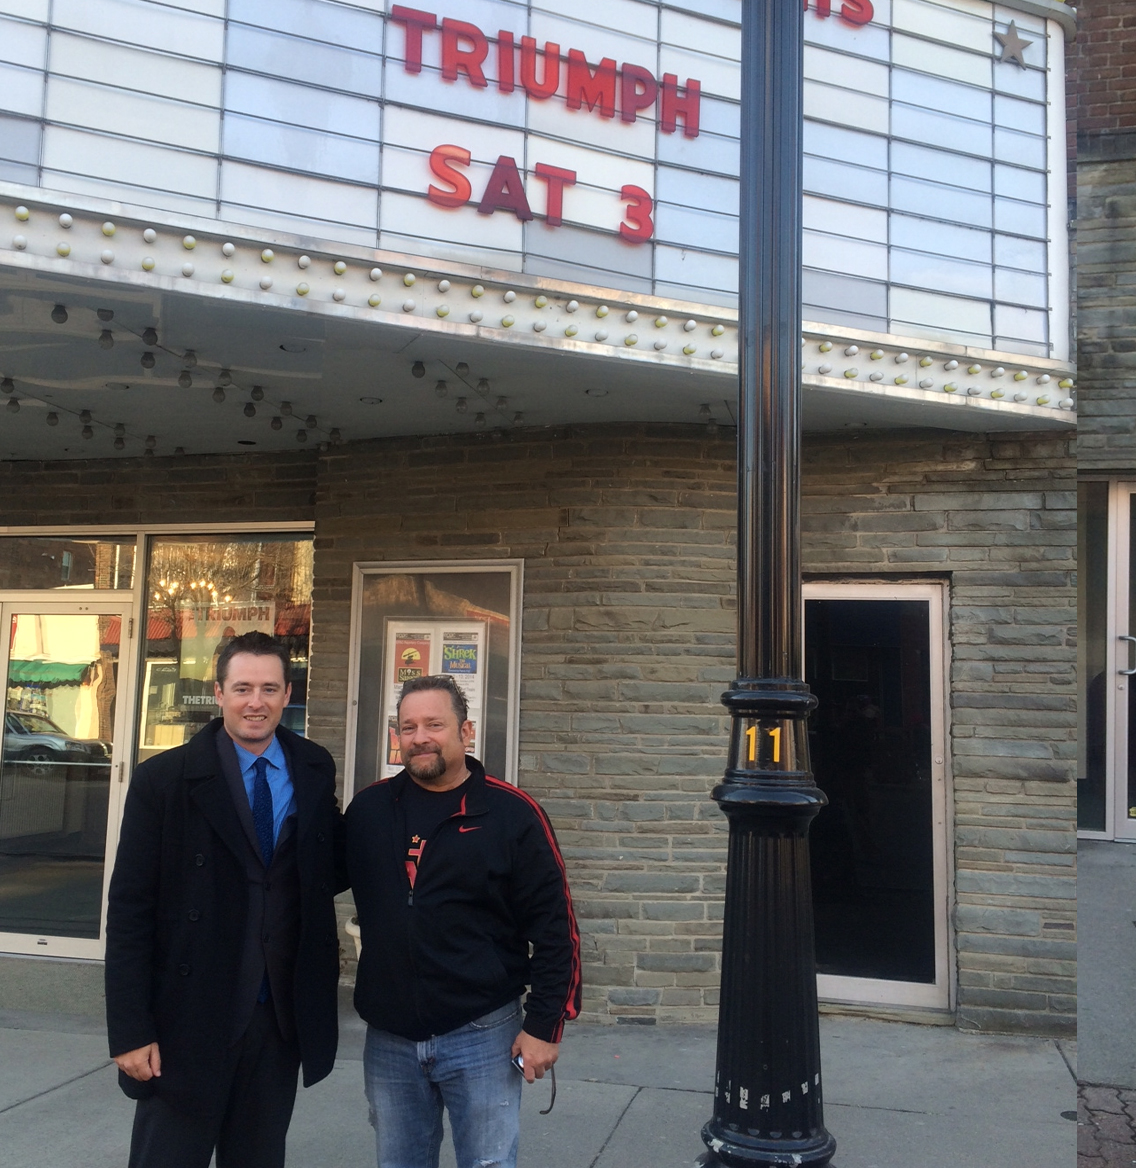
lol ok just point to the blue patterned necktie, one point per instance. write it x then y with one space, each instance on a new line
262 821
262 810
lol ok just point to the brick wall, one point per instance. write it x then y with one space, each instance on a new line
628 641
1102 64
238 488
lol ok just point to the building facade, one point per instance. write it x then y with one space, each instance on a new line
1106 451
411 337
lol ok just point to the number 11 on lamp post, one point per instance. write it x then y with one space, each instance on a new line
765 744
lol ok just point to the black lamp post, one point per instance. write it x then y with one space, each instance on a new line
768 1088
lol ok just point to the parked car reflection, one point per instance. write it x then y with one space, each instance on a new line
35 738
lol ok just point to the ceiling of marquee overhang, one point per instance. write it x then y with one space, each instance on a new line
272 378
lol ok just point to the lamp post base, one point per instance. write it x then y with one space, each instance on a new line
733 1150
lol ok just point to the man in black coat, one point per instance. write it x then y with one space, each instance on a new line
222 953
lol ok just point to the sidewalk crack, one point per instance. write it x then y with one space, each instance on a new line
56 1087
614 1129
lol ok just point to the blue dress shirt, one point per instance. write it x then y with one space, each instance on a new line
279 781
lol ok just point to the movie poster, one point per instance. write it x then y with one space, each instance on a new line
415 648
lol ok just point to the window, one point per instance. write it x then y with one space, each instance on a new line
201 592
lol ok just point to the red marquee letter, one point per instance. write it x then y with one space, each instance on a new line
415 21
637 91
639 226
442 162
687 107
456 59
505 191
506 57
823 7
551 81
557 180
588 88
857 11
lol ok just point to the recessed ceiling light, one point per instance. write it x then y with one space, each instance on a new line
371 401
596 392
294 347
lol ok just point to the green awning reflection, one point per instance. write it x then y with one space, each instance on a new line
46 673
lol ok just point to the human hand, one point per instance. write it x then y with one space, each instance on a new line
142 1064
538 1055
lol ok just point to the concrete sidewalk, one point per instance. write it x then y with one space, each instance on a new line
898 1096
1106 962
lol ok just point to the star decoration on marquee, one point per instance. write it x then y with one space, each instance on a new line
1013 46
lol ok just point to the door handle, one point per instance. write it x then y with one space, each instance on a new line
1131 640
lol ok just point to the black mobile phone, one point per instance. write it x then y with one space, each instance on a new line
518 1061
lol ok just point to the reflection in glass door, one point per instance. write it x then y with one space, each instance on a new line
58 763
874 660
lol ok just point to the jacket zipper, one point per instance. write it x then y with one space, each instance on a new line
459 814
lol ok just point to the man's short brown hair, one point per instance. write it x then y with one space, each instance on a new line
259 645
441 683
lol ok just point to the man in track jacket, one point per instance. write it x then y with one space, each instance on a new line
455 875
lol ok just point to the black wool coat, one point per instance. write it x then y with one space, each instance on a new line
178 911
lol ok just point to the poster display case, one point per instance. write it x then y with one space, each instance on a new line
456 620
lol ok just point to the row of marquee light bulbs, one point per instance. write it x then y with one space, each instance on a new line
950 365
339 295
149 337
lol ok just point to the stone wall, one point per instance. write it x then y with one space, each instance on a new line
1102 83
628 641
627 537
1106 312
236 488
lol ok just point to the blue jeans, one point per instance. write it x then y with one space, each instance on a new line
467 1071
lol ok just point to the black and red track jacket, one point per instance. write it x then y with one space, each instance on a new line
456 945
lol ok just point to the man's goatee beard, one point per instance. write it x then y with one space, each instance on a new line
426 766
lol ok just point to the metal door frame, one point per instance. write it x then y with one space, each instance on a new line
1118 656
940 994
123 605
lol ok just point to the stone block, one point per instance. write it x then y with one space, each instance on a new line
675 962
634 997
650 882
971 918
674 910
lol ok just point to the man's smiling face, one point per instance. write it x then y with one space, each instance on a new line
253 699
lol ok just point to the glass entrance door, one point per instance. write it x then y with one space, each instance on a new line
873 658
61 771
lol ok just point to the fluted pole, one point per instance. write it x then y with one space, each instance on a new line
768 1087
